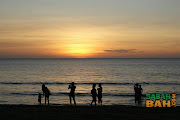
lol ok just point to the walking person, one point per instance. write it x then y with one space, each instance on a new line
100 94
94 94
72 93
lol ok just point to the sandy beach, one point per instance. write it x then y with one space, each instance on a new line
36 112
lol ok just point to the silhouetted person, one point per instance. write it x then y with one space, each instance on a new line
136 92
100 94
47 93
140 89
39 98
139 94
94 94
72 93
43 89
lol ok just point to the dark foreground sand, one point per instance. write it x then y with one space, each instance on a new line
35 112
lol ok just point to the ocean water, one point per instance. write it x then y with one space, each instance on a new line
21 79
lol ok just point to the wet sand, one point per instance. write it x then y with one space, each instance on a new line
36 112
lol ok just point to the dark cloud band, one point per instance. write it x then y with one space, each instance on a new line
121 51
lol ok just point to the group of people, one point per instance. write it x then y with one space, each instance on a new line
46 94
72 87
94 93
138 93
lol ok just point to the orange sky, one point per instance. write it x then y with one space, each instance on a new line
110 30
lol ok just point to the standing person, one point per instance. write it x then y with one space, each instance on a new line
43 89
100 94
94 94
72 93
140 90
47 93
136 92
39 98
139 94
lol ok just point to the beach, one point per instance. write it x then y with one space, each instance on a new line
89 59
36 112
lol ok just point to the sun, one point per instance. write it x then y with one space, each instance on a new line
79 50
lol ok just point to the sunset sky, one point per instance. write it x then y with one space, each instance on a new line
89 28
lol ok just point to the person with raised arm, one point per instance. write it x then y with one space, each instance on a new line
72 93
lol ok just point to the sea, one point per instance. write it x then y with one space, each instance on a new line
21 79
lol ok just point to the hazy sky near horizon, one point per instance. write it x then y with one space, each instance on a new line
89 28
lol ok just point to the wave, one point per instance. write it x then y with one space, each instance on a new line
77 94
87 94
60 83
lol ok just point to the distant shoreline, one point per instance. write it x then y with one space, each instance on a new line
89 58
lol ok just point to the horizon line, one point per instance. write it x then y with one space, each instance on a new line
92 58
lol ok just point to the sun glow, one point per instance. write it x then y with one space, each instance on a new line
79 50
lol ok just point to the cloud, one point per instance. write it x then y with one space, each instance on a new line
121 51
